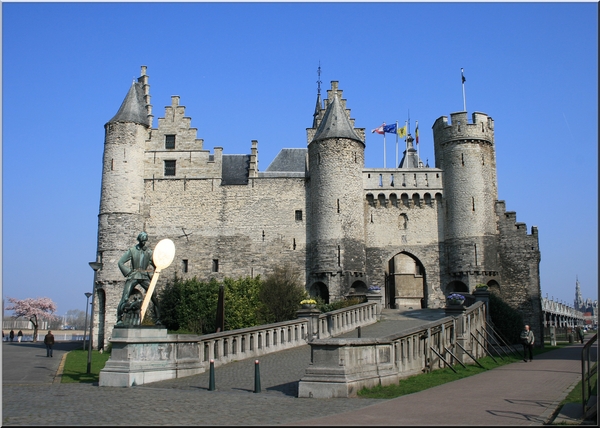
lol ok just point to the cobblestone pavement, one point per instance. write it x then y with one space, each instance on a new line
517 394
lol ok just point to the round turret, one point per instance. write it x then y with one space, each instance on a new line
121 216
465 152
336 230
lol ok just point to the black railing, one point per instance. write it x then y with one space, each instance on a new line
587 372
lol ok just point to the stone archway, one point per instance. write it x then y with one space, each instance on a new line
319 289
359 287
406 282
456 287
494 287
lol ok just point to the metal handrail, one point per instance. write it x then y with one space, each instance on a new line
587 372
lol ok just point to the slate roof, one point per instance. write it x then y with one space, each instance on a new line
133 108
335 123
235 169
411 157
289 160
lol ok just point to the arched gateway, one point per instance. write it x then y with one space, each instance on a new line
406 286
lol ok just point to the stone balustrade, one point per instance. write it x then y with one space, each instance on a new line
342 366
344 320
142 355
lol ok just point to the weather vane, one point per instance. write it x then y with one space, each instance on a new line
319 79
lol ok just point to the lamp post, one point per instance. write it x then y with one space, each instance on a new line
87 303
96 266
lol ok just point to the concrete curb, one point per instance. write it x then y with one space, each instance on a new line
59 371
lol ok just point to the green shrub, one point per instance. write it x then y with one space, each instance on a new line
507 320
338 304
189 305
280 295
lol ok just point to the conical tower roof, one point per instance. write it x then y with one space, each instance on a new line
335 123
133 108
411 157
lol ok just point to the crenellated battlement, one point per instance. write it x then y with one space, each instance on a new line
480 128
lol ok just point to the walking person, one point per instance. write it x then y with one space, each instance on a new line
12 335
19 336
49 342
527 339
580 333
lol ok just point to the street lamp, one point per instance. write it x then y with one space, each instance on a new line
96 266
87 303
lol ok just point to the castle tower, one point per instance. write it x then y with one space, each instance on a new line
121 216
336 230
466 154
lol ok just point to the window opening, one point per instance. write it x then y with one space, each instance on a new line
184 264
169 141
170 167
215 265
298 215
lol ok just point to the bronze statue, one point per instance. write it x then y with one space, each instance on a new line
140 257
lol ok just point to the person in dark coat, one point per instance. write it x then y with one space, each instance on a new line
49 342
12 335
580 333
19 336
527 339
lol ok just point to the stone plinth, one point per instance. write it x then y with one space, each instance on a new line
341 367
147 354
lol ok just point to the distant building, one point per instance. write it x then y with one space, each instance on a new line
418 232
589 307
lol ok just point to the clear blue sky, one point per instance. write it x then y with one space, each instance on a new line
248 71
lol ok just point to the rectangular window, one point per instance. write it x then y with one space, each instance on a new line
169 141
215 265
184 265
170 167
298 215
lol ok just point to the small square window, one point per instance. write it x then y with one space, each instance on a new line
169 141
170 167
298 215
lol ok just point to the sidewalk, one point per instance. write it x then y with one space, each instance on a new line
516 394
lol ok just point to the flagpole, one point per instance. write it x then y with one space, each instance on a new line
463 89
416 139
396 166
384 149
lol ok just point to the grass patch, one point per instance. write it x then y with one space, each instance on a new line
575 395
76 366
425 381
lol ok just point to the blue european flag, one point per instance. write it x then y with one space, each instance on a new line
390 129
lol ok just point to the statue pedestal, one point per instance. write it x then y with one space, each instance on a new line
146 354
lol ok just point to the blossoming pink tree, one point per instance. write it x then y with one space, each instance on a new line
34 309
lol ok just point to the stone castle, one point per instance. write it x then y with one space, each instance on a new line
419 233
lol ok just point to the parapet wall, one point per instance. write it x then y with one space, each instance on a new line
480 128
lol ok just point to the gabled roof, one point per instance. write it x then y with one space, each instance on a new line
335 123
289 160
133 108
